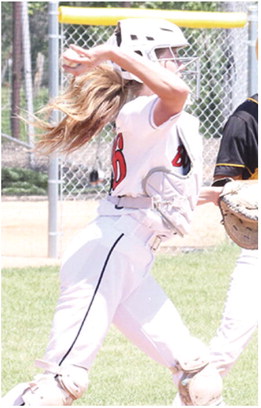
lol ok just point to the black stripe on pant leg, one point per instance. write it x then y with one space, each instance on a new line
93 297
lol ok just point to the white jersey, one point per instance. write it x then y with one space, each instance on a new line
140 146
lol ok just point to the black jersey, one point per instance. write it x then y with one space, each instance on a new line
238 152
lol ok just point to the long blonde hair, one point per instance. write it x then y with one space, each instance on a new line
90 102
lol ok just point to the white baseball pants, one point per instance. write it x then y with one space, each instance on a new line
105 278
240 316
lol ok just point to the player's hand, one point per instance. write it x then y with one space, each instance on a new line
77 60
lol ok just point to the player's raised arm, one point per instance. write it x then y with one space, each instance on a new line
161 74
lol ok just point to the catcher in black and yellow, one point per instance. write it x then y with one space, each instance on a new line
235 172
238 159
238 153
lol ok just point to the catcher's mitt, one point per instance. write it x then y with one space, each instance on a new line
238 204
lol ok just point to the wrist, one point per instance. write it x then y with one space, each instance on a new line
111 53
101 54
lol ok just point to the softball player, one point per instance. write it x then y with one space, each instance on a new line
156 162
238 159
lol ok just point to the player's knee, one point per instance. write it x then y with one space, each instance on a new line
199 382
60 385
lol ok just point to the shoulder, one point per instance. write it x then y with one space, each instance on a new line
187 120
135 119
248 110
188 116
188 128
137 104
136 111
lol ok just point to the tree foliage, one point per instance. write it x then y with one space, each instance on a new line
38 19
161 5
6 32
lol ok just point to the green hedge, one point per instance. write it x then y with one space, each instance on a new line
19 181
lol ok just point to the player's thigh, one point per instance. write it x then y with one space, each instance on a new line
151 321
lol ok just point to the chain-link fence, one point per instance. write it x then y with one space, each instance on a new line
223 55
224 83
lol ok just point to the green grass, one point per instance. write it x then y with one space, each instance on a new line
122 375
19 181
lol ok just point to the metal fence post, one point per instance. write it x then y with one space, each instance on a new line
28 76
252 57
53 168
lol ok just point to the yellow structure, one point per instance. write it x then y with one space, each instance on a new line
190 19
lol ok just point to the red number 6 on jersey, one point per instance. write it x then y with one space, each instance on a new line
118 161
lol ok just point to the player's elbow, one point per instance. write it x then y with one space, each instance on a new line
177 99
178 95
171 102
182 92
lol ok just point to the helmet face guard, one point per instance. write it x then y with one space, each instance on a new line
147 37
189 70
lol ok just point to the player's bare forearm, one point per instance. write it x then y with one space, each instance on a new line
209 195
222 177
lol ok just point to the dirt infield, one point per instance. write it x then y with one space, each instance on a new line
25 229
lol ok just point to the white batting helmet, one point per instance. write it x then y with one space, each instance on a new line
145 36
